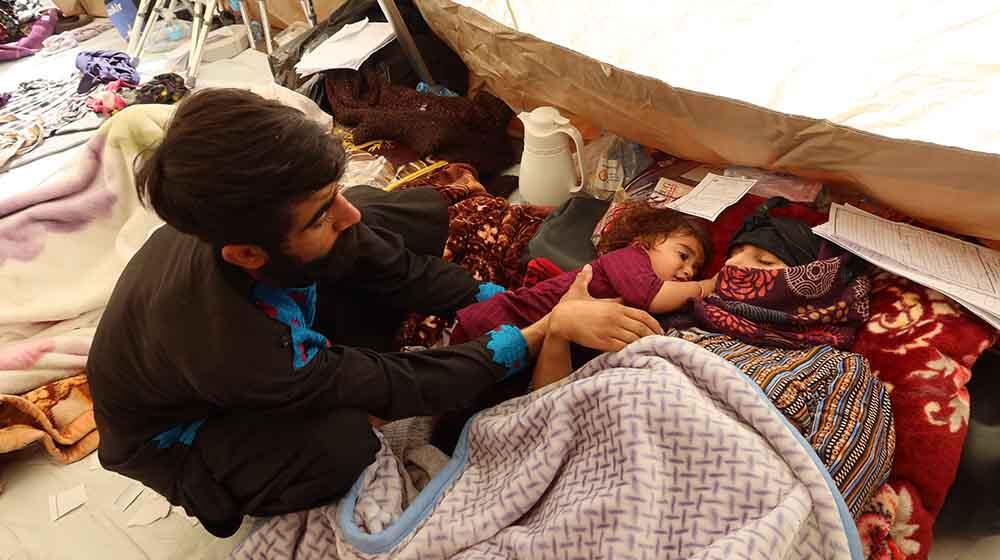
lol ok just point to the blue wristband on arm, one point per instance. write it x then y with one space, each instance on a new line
509 349
488 290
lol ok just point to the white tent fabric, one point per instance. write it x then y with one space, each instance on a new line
910 69
892 98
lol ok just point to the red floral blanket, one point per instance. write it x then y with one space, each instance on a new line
922 346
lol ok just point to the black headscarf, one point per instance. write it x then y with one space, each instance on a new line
789 239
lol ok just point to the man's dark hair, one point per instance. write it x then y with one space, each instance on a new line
232 163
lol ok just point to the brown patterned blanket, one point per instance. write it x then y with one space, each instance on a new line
58 415
487 236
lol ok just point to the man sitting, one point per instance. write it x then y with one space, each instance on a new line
247 343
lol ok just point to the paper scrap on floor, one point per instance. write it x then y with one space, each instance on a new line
150 512
128 495
968 273
180 511
713 194
66 501
348 48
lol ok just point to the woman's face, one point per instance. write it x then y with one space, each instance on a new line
677 257
751 256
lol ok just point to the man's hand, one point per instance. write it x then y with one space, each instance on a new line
604 325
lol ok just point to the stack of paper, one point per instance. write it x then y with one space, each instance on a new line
348 48
968 273
713 194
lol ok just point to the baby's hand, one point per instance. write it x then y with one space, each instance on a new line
708 285
578 290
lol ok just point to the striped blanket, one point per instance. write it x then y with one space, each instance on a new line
833 399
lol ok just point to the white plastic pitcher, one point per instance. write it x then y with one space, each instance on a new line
548 174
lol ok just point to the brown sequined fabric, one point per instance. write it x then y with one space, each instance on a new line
487 235
458 129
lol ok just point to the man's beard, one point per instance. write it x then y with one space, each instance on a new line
287 271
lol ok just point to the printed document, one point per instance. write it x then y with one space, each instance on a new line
713 194
963 271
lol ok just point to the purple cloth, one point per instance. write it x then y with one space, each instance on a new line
626 273
4 98
104 67
32 42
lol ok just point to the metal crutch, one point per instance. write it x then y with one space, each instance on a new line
307 9
141 45
245 12
195 30
262 6
136 29
194 60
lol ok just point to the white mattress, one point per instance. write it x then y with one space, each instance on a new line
98 529
905 69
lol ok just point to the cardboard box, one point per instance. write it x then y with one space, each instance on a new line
77 7
69 7
95 7
282 13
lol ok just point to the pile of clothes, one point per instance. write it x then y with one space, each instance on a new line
384 99
123 90
103 82
106 83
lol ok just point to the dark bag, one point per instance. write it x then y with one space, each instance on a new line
564 236
390 62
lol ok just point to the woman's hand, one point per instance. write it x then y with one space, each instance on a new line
604 325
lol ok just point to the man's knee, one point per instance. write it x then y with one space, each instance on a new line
269 465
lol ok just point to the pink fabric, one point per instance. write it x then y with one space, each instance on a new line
32 42
626 273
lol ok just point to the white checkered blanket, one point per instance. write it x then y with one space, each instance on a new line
662 450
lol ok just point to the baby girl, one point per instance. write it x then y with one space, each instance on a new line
649 259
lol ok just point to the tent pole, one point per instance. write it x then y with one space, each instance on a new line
406 40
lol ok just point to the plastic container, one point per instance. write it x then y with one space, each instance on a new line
168 35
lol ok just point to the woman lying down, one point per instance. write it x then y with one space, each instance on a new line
782 308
